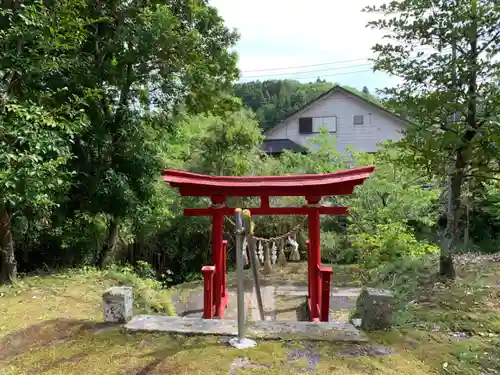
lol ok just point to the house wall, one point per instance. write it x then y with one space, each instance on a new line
377 125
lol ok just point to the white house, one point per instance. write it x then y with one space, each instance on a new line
352 119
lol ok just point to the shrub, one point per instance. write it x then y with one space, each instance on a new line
388 243
149 296
335 249
407 277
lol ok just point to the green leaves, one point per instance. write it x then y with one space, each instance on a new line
35 150
390 242
228 145
445 52
438 82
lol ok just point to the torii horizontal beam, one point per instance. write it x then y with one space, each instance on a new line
305 210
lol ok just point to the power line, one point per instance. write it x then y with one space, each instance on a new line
305 66
296 75
324 75
323 64
308 71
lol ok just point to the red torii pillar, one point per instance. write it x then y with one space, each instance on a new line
312 187
215 292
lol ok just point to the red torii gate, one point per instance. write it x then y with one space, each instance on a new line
311 186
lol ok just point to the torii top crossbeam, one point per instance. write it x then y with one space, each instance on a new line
335 183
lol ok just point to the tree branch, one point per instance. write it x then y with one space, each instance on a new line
483 48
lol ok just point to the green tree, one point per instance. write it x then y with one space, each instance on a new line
445 52
228 145
140 57
36 42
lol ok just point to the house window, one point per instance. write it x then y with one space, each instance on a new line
329 123
310 125
358 119
305 125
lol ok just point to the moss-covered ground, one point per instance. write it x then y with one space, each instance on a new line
53 325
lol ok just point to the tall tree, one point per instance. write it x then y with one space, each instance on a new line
445 52
140 56
36 43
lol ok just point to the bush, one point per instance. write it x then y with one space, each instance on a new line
389 242
407 277
149 295
336 249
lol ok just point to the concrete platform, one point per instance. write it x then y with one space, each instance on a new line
270 330
283 302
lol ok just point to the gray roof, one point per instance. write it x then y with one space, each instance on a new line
276 146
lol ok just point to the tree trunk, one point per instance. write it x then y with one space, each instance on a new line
467 224
462 158
446 267
110 243
8 264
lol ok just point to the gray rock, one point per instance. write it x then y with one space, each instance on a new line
375 309
117 304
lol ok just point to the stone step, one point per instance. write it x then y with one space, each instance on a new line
272 330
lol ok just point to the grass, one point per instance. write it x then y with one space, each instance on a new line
52 325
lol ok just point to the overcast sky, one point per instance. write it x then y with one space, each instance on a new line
277 34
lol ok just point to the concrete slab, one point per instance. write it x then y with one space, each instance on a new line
277 330
289 290
268 294
309 331
191 306
293 290
345 292
291 308
342 302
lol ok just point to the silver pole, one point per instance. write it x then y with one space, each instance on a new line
239 272
240 342
254 261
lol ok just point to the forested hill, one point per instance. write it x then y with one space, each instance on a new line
274 100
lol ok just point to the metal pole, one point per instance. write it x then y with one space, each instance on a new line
239 273
254 261
240 342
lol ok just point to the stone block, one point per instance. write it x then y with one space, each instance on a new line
117 304
375 308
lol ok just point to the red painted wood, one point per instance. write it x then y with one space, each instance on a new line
309 272
217 258
336 183
182 176
208 280
228 211
340 188
324 305
314 256
264 202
